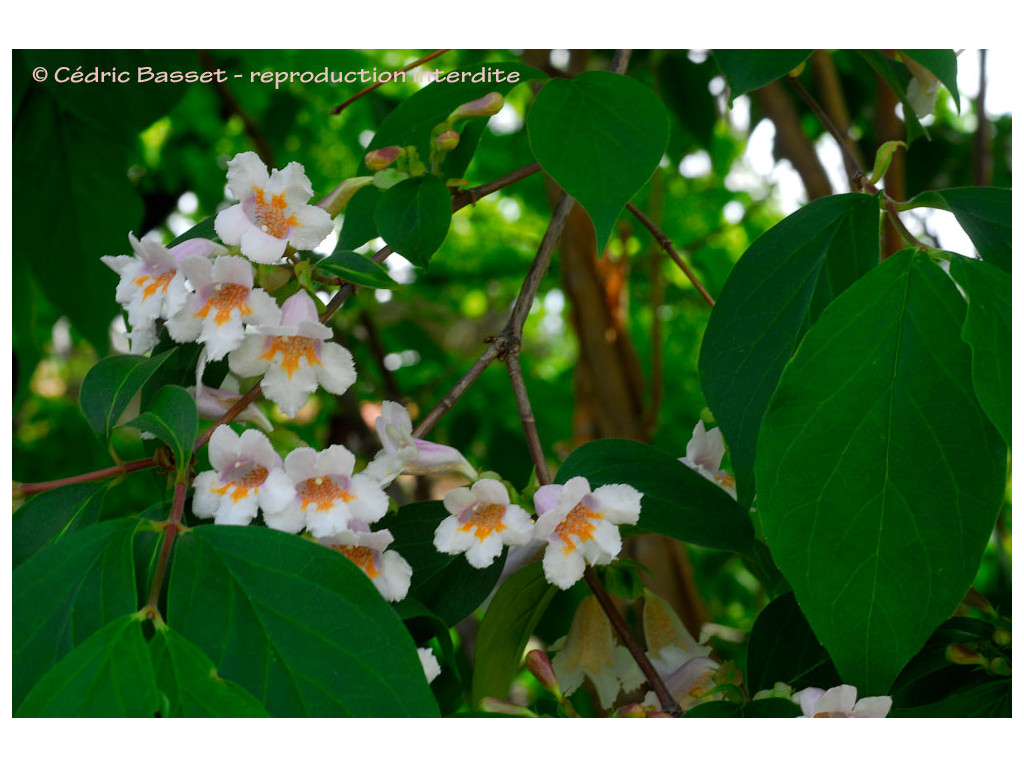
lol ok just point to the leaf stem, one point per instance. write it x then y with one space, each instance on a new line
28 489
172 526
372 87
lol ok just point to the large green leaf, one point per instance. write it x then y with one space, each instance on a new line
983 212
110 385
506 627
413 217
66 593
773 294
879 476
446 584
783 649
48 517
990 699
109 675
987 330
678 502
771 707
356 269
173 418
188 679
295 624
358 226
747 70
941 63
600 136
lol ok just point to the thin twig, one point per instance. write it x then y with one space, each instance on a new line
529 423
372 87
666 245
28 489
251 127
853 171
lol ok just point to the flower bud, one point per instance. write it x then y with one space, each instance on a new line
1001 636
500 707
379 159
540 666
447 141
336 201
485 106
999 666
961 654
631 710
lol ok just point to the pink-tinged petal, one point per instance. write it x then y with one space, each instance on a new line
231 224
298 308
223 447
687 682
205 502
277 492
196 246
838 699
490 491
314 225
546 498
395 414
153 252
246 360
873 706
336 460
706 448
562 570
231 269
245 171
290 519
434 458
256 446
301 464
337 371
808 700
385 467
619 503
573 492
118 263
261 247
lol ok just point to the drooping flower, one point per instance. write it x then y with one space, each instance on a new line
294 356
704 454
841 701
152 286
389 571
691 684
233 490
213 403
481 521
404 453
272 212
590 651
669 644
580 526
322 495
223 303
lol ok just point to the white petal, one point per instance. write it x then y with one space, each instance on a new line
337 372
277 491
482 553
444 536
431 669
231 269
395 577
396 414
246 360
290 519
301 464
457 499
808 700
562 570
262 247
336 460
838 699
490 491
231 224
241 512
619 503
245 171
314 226
873 706
546 498
289 394
256 445
327 522
205 502
519 526
223 447
264 309
185 326
371 503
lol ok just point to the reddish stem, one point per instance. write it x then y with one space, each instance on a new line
173 525
29 489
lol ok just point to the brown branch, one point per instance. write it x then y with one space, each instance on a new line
373 86
529 423
982 144
853 171
28 489
172 526
235 107
666 245
827 80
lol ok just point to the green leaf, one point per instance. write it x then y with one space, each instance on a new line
942 64
773 294
110 385
66 593
748 70
413 217
879 476
48 517
600 136
783 649
190 681
411 122
295 624
356 268
109 675
513 613
173 418
897 76
983 212
358 226
446 584
74 205
678 502
990 699
204 229
773 707
987 331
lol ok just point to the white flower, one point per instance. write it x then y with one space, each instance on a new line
404 453
841 701
579 526
389 571
431 669
152 286
590 651
272 211
322 495
224 300
481 522
294 357
704 454
669 644
231 492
